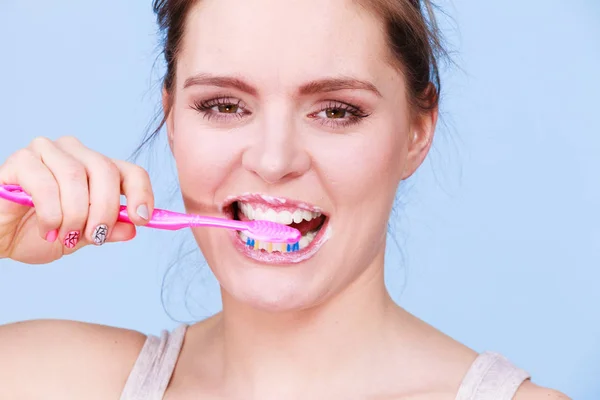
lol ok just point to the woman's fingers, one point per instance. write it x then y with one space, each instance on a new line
104 181
76 192
136 186
26 168
122 232
72 179
107 180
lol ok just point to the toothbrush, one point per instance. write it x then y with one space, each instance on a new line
266 231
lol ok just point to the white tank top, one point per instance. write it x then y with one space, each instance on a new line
490 377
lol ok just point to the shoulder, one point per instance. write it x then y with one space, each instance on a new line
531 391
66 359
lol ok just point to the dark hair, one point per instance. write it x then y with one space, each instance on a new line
415 44
412 34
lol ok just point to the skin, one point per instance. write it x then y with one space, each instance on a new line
303 331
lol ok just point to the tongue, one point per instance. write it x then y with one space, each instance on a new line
304 226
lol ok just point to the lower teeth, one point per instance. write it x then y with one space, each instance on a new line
279 247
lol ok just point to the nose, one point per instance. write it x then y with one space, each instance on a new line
278 153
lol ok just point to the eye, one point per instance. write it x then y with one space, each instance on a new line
336 114
227 108
221 107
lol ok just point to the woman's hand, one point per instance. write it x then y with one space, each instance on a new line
76 192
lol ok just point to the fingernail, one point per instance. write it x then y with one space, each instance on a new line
52 235
71 239
99 235
142 212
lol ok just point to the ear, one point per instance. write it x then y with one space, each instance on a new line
420 138
167 104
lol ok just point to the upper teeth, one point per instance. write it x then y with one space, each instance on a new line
282 217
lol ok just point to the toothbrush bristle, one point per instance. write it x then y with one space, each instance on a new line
289 248
293 247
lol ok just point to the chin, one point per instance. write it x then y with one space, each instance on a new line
272 287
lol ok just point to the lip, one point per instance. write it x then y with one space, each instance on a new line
277 204
277 258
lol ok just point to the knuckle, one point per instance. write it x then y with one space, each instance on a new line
40 142
139 172
111 169
142 182
68 140
136 177
20 155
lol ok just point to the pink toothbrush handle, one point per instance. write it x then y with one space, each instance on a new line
15 194
172 221
161 219
260 230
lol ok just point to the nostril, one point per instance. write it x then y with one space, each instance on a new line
276 160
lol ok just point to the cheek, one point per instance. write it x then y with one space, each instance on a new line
363 169
361 177
204 158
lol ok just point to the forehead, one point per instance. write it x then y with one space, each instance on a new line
284 40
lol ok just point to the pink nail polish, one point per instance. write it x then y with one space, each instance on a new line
52 235
71 239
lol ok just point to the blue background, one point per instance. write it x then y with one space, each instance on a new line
499 231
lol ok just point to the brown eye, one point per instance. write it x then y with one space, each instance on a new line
335 113
228 108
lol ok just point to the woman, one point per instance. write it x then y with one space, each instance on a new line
308 111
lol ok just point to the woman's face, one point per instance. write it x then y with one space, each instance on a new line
291 111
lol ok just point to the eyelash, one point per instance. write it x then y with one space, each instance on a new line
205 108
356 114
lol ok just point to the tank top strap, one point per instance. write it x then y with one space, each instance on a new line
491 377
154 366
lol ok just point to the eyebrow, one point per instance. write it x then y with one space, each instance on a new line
326 85
220 81
336 84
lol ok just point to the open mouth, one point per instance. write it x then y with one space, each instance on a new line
309 220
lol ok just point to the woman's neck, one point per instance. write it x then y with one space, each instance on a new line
294 351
